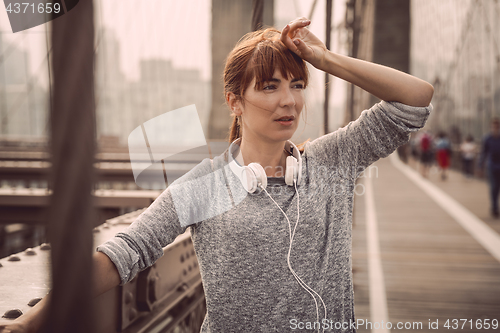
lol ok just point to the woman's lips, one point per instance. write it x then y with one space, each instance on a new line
285 122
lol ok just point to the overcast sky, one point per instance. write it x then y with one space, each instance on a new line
177 30
180 30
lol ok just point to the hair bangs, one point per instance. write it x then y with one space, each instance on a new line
258 55
271 55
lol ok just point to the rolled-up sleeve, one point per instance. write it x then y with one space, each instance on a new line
142 243
193 198
375 134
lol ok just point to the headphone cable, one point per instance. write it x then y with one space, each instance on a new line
292 235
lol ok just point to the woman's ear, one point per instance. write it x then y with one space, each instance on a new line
234 103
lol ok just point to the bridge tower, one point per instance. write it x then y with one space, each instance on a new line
380 33
231 19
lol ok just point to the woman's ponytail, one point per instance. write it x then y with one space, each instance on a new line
235 129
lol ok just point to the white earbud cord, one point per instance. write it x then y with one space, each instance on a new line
292 235
290 250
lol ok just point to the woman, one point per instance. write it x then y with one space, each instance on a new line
271 226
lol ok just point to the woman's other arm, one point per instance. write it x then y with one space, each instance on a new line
383 82
104 277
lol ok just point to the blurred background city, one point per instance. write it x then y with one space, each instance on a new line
157 56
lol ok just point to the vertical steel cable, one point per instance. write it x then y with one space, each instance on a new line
491 48
257 14
327 44
29 95
482 73
3 87
48 48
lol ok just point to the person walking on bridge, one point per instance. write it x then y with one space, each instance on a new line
271 223
468 151
443 152
490 156
426 153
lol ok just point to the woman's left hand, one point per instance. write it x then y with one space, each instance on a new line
303 42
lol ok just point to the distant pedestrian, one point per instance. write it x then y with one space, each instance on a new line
426 156
443 152
414 147
468 151
490 155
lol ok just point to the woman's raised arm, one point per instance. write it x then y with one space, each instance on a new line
381 81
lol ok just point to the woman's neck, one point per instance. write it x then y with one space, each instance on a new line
271 156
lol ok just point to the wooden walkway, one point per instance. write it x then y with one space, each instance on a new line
434 270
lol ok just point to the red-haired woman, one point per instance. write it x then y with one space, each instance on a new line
271 225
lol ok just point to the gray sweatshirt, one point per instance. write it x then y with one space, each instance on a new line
242 240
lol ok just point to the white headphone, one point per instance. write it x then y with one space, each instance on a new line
254 175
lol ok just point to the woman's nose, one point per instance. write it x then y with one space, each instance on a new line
287 98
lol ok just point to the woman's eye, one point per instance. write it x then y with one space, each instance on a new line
299 86
269 87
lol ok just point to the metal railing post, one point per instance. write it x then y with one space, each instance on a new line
72 145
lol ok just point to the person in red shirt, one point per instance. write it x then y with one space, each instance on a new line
426 156
443 152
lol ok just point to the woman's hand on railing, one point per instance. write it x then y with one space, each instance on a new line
14 326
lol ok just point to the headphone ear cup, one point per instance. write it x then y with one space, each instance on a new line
260 174
291 172
248 179
299 171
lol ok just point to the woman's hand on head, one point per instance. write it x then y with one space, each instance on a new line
303 42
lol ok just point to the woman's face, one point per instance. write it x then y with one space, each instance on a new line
272 114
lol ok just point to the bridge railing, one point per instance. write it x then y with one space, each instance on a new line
166 297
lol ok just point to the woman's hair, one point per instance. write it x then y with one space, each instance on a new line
257 55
